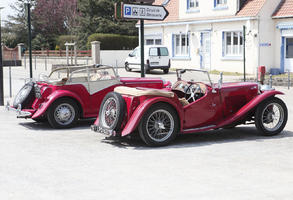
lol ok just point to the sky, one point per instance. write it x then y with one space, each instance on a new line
6 10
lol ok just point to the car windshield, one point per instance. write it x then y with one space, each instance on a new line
194 76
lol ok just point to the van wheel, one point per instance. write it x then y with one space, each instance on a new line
166 71
127 67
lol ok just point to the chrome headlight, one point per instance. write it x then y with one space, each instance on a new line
37 91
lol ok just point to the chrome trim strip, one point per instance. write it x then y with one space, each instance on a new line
201 128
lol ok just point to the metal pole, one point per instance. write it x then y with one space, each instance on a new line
10 83
1 68
24 60
244 58
289 81
35 62
30 38
142 48
46 63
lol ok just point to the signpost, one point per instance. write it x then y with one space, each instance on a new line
141 12
150 12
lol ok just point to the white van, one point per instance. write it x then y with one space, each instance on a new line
155 57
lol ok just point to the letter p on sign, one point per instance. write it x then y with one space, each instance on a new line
127 10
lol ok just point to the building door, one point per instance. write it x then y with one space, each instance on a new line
289 54
205 51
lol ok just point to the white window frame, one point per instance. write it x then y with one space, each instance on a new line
181 49
239 47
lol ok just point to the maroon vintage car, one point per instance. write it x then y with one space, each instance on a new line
191 105
69 94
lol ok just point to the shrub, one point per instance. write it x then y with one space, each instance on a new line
62 39
113 41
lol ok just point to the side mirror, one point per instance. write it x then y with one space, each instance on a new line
130 55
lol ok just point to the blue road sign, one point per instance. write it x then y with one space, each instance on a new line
127 10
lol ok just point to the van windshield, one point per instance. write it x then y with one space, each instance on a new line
164 51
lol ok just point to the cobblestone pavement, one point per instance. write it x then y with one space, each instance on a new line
38 162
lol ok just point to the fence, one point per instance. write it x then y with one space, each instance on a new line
60 53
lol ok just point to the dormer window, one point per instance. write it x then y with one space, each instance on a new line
220 3
192 4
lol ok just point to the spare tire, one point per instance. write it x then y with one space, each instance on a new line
112 111
25 96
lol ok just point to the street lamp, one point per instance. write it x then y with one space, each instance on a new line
1 67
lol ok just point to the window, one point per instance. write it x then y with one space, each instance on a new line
181 45
192 4
164 51
289 47
149 42
153 41
220 2
153 51
233 43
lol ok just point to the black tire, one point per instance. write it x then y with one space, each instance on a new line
127 67
149 123
25 96
40 120
57 119
264 115
166 71
116 113
147 69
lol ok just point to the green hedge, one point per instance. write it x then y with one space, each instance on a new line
62 39
113 41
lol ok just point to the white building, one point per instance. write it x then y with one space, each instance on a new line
208 34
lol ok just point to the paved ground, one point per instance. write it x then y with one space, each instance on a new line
37 162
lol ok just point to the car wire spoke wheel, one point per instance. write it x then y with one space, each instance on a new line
272 117
109 112
64 114
160 125
112 111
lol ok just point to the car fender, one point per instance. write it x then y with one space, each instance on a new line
135 118
53 97
249 106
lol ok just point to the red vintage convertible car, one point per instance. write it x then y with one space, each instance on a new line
69 94
191 105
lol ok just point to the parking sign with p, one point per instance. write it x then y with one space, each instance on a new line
127 10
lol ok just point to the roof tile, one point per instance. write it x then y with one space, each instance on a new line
251 8
285 9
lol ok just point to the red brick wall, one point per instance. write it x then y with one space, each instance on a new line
10 53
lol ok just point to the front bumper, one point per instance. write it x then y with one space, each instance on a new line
103 131
19 113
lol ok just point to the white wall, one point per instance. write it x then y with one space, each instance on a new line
216 29
267 56
206 9
114 57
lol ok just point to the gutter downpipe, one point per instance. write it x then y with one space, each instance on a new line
258 46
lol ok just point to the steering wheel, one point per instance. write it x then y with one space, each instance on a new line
193 90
